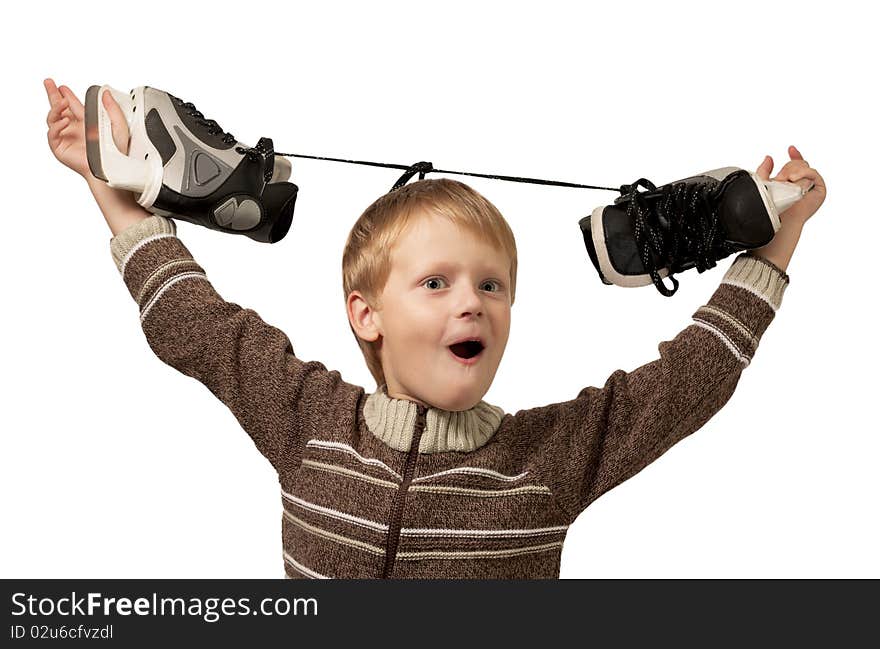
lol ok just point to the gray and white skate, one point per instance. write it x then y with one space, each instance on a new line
184 166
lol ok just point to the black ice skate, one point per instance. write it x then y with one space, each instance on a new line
648 235
186 167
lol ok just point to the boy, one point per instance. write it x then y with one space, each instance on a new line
423 479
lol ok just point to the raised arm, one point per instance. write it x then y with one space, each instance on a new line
588 445
246 363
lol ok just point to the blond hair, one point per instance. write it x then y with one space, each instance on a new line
366 259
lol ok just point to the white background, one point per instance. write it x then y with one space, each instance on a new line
115 465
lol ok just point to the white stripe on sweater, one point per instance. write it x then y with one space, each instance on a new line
480 534
333 513
423 531
308 572
477 554
345 448
357 475
437 489
429 554
140 244
720 334
158 272
332 536
475 471
734 322
168 284
483 493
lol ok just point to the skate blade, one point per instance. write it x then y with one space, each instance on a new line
93 150
105 160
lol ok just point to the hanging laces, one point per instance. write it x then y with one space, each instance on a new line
420 168
680 222
428 168
264 152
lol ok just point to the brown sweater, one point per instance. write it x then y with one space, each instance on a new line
378 487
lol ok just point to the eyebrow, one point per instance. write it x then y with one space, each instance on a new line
426 267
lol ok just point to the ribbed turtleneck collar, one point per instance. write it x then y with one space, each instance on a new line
393 421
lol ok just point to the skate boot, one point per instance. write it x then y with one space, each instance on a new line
649 235
186 167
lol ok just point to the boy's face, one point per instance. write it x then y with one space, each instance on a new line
445 285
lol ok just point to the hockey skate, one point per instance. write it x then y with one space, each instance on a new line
184 166
650 235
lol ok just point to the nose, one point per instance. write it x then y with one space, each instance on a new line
470 302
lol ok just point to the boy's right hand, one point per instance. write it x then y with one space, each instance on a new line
67 128
67 140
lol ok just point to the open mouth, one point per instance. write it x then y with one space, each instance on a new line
467 349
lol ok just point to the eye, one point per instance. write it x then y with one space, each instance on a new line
432 283
433 279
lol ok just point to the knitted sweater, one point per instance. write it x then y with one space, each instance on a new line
373 486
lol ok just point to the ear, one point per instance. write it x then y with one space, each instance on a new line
365 321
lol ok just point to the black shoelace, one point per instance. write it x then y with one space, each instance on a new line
263 150
421 168
212 126
677 224
681 223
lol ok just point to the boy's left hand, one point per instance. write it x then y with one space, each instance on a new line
796 170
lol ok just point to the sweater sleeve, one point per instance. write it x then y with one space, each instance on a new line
246 363
588 445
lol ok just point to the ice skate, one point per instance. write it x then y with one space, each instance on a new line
184 166
646 236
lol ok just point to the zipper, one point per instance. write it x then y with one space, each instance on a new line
400 497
